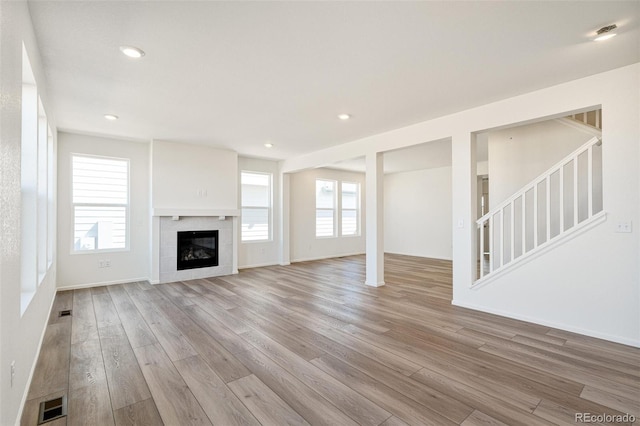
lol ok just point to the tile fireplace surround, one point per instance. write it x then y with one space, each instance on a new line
168 236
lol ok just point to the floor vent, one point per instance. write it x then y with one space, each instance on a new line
65 313
52 409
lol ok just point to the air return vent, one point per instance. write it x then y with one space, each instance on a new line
52 409
65 313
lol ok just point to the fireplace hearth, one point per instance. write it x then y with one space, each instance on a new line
197 249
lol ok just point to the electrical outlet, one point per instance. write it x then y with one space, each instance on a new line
107 263
100 263
13 371
624 227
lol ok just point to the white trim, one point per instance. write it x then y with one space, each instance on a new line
558 240
25 394
553 324
168 211
103 283
258 265
418 255
331 256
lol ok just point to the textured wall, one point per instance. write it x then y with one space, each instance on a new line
20 334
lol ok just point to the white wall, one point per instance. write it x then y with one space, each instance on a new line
188 176
606 303
78 270
304 244
417 213
590 284
520 154
252 254
20 336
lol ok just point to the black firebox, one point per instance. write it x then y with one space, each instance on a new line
197 249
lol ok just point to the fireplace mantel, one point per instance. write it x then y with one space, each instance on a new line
194 212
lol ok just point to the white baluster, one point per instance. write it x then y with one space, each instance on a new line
512 242
575 190
590 180
561 199
535 215
524 222
481 249
548 215
490 243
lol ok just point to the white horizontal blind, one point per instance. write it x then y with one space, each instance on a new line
256 206
350 207
100 202
325 208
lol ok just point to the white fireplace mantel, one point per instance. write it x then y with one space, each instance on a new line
168 211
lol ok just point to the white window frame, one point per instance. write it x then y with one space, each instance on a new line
333 209
269 208
30 276
356 209
126 206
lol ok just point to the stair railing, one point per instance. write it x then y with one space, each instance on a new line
554 203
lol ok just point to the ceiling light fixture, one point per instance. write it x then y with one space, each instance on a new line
132 52
605 33
110 117
344 116
268 145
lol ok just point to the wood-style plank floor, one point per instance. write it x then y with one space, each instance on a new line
310 344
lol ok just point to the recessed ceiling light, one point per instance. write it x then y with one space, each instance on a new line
605 33
268 145
111 117
344 116
132 52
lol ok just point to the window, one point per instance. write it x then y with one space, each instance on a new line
325 208
350 209
100 195
50 195
29 164
37 172
43 199
256 206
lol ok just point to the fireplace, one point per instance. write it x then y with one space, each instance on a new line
197 249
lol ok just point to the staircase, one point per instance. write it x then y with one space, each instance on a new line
589 118
555 205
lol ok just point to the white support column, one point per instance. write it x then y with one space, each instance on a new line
375 219
285 256
236 243
463 179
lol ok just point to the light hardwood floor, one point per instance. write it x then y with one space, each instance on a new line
310 344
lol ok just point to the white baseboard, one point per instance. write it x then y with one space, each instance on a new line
257 265
553 324
23 401
331 256
418 255
89 285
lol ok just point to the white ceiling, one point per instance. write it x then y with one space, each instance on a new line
238 74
